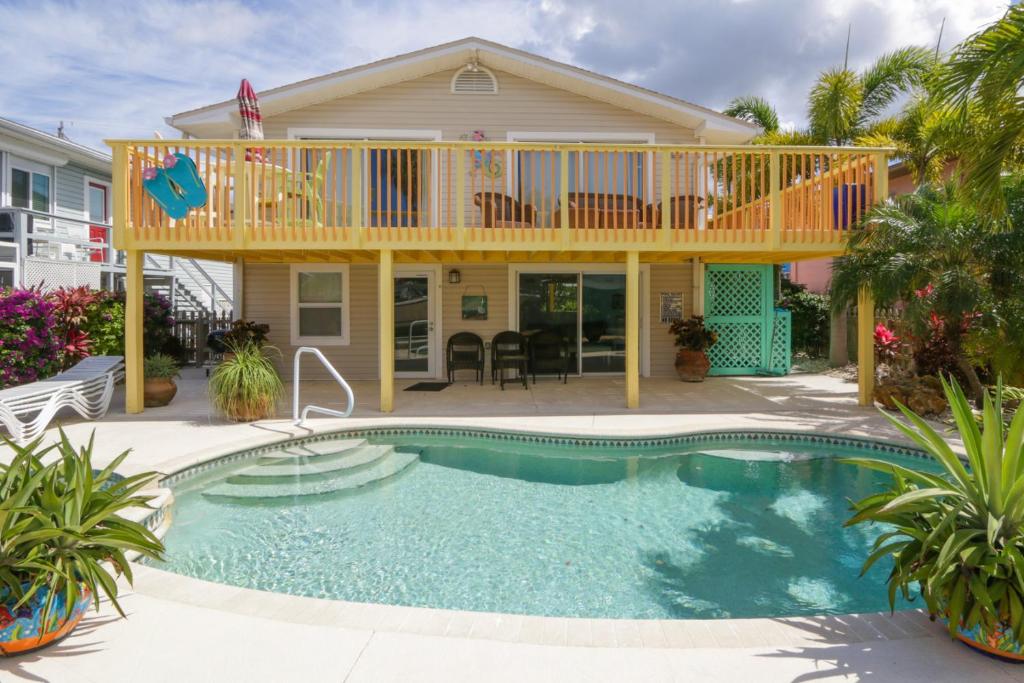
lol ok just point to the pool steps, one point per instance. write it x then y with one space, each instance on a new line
334 467
324 466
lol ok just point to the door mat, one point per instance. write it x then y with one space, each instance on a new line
427 386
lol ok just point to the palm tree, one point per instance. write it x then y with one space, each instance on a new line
985 75
930 250
843 104
927 134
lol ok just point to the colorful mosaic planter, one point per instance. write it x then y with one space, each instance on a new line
1001 642
21 629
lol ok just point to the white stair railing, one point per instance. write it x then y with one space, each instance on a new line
299 419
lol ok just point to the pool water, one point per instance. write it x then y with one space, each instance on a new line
476 524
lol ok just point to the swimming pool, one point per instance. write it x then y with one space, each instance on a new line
702 527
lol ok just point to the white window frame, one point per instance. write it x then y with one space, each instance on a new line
30 167
578 137
346 304
90 180
384 135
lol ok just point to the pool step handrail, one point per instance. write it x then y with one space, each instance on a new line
299 419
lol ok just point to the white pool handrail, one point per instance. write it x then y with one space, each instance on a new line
299 419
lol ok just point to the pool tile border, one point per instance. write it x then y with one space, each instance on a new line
699 438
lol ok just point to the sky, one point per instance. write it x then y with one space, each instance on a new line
110 68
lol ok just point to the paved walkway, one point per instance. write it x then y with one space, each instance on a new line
184 629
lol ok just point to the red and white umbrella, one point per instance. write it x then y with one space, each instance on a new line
252 120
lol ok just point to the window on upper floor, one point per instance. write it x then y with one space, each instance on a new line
30 186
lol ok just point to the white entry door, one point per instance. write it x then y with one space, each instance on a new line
417 299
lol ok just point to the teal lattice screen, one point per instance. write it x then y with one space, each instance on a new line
782 336
738 305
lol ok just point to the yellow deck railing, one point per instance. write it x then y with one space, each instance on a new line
330 194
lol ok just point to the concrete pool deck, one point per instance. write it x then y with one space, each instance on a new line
181 628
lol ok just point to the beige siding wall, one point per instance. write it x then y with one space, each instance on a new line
427 103
268 295
491 280
676 277
267 299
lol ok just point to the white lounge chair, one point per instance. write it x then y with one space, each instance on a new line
86 388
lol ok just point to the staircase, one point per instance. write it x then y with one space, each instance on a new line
195 282
336 466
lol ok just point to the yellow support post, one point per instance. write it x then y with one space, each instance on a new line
386 289
632 329
133 351
775 198
865 347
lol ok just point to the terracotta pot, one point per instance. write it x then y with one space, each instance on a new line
158 391
1000 642
250 413
20 628
692 366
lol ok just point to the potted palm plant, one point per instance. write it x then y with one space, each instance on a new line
246 386
693 340
63 539
159 388
958 536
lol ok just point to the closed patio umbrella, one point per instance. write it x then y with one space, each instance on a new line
252 120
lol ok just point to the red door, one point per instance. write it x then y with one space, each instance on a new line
98 233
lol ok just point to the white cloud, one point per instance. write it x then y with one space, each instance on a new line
115 69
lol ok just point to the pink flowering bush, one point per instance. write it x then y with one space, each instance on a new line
28 348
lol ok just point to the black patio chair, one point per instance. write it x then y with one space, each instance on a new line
508 351
465 352
549 352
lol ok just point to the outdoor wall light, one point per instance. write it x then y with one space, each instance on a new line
454 277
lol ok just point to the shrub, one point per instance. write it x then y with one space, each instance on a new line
71 308
159 366
105 323
247 386
246 332
933 352
62 519
809 316
887 345
691 335
28 348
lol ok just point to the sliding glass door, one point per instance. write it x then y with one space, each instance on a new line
550 301
603 342
588 310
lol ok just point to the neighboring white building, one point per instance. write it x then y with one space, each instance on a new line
55 223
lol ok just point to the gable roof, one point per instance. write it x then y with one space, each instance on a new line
24 141
714 126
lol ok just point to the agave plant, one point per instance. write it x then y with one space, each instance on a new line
61 526
959 535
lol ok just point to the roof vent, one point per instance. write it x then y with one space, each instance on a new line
474 79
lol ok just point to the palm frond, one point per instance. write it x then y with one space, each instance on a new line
834 106
891 75
755 110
